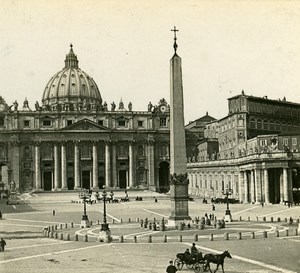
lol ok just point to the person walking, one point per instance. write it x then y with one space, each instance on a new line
171 268
2 244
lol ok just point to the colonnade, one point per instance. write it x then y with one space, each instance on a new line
111 169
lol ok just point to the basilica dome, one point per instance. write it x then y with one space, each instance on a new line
71 88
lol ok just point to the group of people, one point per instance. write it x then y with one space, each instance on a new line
189 257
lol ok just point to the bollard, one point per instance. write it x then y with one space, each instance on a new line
91 223
134 239
150 226
66 225
55 235
121 239
256 218
51 234
286 220
52 228
150 239
211 237
55 227
129 220
239 236
278 219
265 234
137 220
252 235
68 237
113 221
272 219
61 236
286 232
249 218
98 222
196 237
76 237
72 225
165 238
85 238
240 218
226 236
264 219
121 220
48 234
60 226
180 238
277 233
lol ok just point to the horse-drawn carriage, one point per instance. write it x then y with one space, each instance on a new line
201 263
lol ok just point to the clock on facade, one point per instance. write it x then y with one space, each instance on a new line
163 108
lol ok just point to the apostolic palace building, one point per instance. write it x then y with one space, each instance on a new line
73 139
253 152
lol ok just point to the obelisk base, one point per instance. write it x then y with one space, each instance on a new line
105 236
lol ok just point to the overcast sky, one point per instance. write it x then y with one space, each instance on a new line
126 46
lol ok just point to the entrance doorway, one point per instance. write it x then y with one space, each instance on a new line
47 177
70 183
274 185
122 179
86 179
164 185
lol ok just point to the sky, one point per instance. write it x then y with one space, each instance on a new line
126 46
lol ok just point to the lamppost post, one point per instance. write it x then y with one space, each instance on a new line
227 192
105 233
85 220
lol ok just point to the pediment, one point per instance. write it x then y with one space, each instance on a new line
85 125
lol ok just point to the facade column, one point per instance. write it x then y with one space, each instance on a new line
258 198
266 184
114 183
64 184
290 185
37 167
56 167
76 166
285 185
241 185
131 165
246 188
95 166
150 160
252 187
107 165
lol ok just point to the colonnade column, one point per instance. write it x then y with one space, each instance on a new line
150 159
252 187
107 164
131 168
95 166
114 166
76 166
257 186
285 185
266 184
38 184
64 184
246 189
290 185
56 167
241 185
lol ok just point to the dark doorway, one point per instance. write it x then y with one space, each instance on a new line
101 182
274 185
122 179
164 185
70 183
47 181
86 179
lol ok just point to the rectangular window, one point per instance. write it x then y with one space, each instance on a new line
121 123
140 123
163 122
100 122
69 122
26 123
285 141
294 141
1 122
46 122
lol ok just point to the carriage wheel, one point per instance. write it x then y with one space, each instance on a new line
198 267
178 264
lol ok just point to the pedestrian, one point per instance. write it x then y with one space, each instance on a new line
262 204
53 212
171 268
155 200
213 207
2 244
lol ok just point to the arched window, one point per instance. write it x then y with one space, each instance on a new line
27 152
163 150
259 124
266 125
284 126
277 126
272 127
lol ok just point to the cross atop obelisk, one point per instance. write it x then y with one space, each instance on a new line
175 39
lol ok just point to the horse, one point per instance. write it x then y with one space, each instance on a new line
217 259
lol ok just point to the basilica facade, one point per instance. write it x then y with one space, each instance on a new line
74 140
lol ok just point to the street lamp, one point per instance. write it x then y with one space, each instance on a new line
84 195
105 233
227 192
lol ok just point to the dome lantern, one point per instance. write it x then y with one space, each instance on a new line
71 59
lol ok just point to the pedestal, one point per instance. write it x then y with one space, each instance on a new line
228 217
85 223
105 236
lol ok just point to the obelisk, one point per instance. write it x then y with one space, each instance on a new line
178 170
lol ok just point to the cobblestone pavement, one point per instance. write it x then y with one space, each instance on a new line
40 254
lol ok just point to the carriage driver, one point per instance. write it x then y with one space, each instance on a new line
195 253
